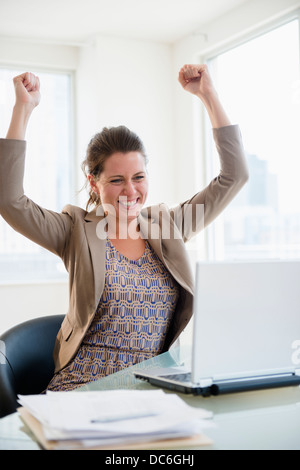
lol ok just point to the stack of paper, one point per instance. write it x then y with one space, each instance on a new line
112 418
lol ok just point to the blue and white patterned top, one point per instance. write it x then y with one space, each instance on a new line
130 323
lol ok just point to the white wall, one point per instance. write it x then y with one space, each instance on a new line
128 82
21 302
31 55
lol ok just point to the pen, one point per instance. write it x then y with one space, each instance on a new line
111 419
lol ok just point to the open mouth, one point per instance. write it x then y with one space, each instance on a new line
124 202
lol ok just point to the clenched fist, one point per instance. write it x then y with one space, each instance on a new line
27 89
196 80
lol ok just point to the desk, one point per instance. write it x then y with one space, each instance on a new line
267 419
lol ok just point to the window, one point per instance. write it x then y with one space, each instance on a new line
48 174
258 82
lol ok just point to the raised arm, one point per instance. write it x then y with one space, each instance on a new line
196 80
27 90
46 228
233 166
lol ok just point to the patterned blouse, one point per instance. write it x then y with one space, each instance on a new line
130 323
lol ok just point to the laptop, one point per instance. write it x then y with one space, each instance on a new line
246 330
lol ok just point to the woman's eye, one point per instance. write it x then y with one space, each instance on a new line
120 180
116 181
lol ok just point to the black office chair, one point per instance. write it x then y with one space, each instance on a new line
26 362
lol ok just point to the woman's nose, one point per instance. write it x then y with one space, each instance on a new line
129 188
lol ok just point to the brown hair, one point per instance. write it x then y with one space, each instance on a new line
102 146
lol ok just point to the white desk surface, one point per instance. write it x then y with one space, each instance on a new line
256 420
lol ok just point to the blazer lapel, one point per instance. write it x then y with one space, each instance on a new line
97 244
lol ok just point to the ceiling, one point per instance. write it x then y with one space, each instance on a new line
76 21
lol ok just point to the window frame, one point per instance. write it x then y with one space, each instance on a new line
72 193
212 243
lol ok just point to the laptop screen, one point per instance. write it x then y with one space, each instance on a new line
246 318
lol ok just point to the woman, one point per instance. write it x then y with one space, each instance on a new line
130 282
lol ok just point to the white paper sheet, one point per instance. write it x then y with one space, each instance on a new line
115 415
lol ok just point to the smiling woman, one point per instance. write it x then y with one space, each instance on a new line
115 167
104 332
116 140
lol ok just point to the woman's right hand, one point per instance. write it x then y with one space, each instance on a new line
27 89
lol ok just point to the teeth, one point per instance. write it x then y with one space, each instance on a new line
128 203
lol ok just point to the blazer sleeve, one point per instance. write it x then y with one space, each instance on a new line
199 211
49 229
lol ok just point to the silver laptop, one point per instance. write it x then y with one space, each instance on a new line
246 329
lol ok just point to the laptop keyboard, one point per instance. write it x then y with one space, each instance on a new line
181 377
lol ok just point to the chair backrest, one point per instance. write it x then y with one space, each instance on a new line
26 359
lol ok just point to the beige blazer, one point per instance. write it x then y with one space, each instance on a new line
73 235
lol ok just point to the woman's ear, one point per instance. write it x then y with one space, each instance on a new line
93 184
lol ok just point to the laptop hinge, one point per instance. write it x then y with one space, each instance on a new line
207 382
297 372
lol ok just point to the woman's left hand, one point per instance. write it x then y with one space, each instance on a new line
196 80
